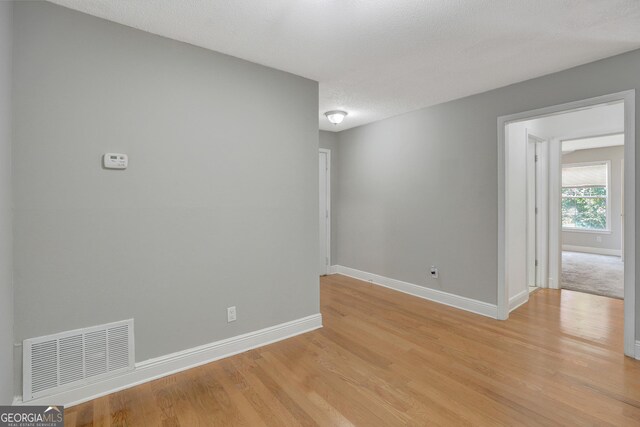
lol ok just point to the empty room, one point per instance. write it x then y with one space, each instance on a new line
319 212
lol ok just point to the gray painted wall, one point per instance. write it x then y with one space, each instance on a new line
217 208
6 279
613 240
329 140
421 188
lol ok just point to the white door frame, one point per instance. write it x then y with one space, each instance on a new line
628 97
532 215
555 216
539 220
328 153
622 212
542 219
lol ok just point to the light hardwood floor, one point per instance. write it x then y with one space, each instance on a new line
385 358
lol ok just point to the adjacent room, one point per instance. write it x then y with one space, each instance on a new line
321 213
569 166
592 215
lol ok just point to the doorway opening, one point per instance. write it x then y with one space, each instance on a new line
566 211
592 215
324 212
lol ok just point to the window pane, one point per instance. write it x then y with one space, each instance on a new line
586 213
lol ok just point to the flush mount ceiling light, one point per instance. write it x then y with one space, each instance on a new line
336 116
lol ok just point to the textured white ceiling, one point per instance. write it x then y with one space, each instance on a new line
589 143
605 119
379 58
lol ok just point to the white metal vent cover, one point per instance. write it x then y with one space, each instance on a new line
66 360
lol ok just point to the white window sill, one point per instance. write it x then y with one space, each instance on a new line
584 230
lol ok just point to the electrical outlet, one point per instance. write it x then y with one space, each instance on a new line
434 272
231 314
598 238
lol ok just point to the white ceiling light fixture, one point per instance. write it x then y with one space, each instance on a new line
336 116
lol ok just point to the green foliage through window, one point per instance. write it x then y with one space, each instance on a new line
584 207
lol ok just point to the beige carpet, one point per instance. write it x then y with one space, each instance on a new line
594 274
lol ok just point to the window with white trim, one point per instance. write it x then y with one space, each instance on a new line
585 196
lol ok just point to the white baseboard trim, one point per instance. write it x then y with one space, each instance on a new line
637 351
159 367
518 299
452 300
333 269
591 250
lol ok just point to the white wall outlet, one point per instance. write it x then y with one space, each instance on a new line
231 314
434 272
598 238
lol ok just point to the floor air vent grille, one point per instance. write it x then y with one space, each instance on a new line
59 362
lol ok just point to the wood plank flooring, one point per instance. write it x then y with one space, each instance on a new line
385 358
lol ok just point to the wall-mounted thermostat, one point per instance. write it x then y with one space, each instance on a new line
115 161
